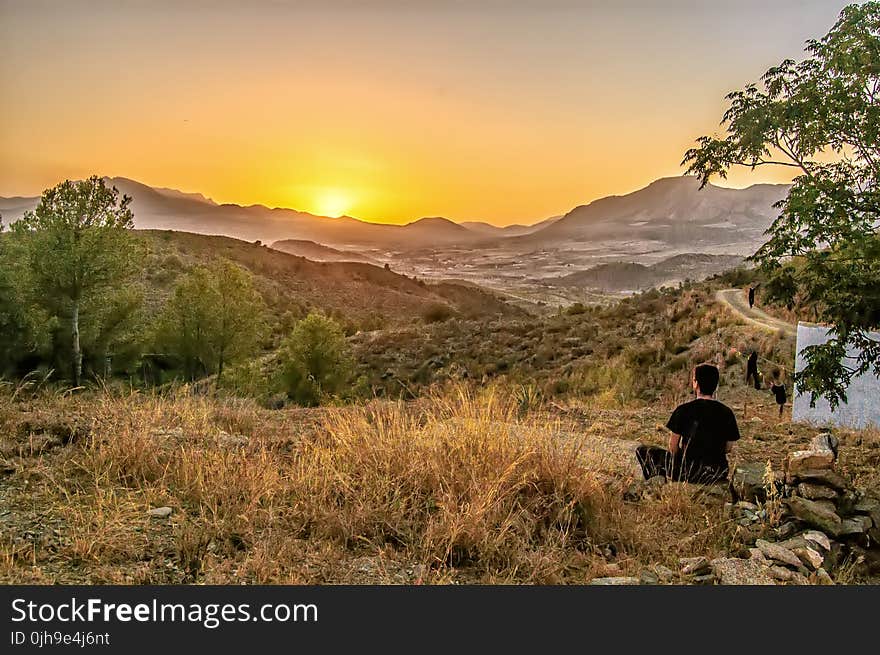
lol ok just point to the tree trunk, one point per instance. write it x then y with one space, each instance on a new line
77 353
220 367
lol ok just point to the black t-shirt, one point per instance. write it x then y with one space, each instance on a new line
705 427
779 391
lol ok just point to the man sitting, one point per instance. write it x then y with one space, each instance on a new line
703 432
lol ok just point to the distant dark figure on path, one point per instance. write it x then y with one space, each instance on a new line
778 389
752 295
752 370
703 432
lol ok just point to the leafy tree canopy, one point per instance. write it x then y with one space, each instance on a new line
820 117
316 360
215 317
76 248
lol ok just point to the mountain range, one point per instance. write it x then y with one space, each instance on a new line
671 211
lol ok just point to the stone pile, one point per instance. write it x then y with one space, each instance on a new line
797 524
820 517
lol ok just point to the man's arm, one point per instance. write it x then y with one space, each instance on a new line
674 442
733 433
674 427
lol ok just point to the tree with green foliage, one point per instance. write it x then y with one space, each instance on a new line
316 360
13 321
215 317
821 118
77 246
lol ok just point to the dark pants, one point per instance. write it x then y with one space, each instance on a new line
752 375
659 461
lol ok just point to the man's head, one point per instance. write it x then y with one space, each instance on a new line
705 379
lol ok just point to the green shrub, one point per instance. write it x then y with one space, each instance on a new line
316 361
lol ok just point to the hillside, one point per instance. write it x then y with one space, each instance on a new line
519 474
364 296
630 276
641 347
319 253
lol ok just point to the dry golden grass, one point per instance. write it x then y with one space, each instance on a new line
462 486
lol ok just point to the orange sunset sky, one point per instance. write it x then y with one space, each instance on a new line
385 110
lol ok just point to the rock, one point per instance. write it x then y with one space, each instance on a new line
823 578
705 579
819 538
802 460
747 482
648 577
797 541
846 502
778 553
693 565
787 575
636 491
755 553
816 515
855 525
160 512
825 441
870 507
810 557
665 573
781 573
812 491
719 491
748 534
819 476
867 505
787 529
798 578
827 504
733 571
615 581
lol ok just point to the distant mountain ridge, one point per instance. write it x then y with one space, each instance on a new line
169 209
673 211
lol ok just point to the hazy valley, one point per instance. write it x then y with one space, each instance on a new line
549 262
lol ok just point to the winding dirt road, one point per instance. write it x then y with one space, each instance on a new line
737 301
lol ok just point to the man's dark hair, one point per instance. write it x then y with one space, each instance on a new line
706 376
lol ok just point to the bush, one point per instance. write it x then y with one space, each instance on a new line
437 313
315 360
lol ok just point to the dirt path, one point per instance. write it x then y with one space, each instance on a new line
737 301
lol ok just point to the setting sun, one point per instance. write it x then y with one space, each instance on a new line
332 202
